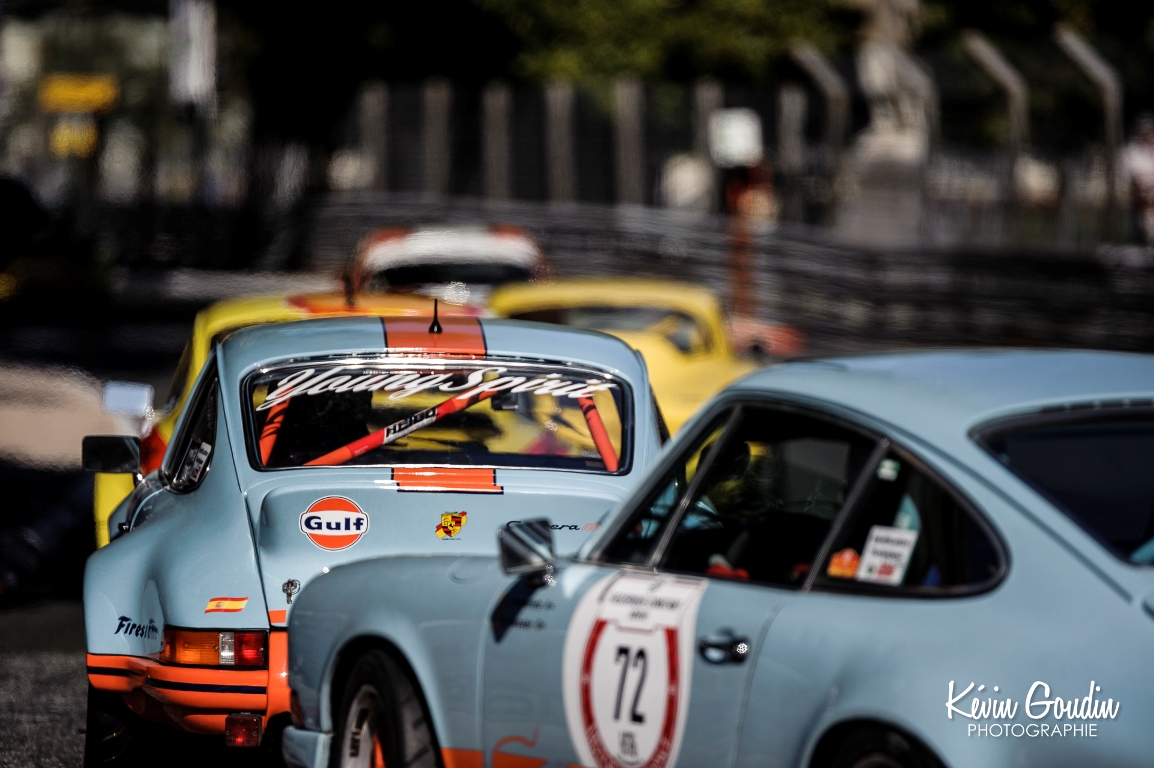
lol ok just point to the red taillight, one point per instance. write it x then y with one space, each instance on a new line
250 649
242 731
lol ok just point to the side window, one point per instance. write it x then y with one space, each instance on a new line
188 461
909 532
769 498
635 542
180 378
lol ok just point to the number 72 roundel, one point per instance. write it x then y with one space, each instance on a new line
628 660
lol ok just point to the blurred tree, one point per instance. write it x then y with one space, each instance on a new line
590 40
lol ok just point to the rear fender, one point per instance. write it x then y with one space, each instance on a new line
193 547
432 617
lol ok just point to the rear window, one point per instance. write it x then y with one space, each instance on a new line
483 413
1097 469
681 330
470 273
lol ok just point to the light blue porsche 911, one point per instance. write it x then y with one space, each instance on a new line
907 560
308 445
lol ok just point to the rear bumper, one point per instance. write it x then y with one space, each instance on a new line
305 749
193 698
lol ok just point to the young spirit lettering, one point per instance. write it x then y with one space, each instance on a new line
402 384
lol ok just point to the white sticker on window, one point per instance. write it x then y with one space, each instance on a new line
198 460
628 661
886 554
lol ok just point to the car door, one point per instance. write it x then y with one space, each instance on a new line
638 657
853 635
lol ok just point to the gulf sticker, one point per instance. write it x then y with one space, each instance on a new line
334 522
628 662
226 605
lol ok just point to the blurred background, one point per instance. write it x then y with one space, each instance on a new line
866 174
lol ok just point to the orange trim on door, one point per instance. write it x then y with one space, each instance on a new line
459 336
462 758
447 479
278 687
501 759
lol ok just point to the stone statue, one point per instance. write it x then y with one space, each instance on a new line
900 94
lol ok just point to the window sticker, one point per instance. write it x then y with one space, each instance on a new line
886 554
844 564
628 660
888 470
198 457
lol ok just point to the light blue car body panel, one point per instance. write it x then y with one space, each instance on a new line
1066 612
237 533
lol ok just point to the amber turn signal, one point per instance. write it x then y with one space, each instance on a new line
214 648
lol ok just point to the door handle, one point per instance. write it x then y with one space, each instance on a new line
725 649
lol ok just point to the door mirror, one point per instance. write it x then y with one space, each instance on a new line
111 453
526 546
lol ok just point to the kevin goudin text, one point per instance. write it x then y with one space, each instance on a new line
1038 705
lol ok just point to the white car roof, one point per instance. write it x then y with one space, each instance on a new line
453 245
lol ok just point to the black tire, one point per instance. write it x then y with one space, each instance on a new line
113 734
876 747
382 719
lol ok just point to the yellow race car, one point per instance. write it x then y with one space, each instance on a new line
680 330
219 320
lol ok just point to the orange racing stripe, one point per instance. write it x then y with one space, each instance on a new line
447 479
459 337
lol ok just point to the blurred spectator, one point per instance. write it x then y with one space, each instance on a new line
1138 165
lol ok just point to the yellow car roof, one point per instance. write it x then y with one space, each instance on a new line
606 291
232 314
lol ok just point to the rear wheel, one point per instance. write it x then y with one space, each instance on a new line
113 734
874 747
382 719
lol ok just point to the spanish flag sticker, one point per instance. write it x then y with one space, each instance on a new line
226 605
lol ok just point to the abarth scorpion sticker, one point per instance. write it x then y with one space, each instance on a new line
628 662
334 522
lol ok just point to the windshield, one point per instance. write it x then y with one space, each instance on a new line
1098 470
484 413
470 273
678 328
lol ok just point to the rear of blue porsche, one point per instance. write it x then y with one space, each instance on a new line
431 441
355 438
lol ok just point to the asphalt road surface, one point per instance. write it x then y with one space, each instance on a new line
43 692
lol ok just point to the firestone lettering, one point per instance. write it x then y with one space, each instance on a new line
129 628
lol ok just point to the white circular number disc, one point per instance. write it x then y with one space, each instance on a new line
627 667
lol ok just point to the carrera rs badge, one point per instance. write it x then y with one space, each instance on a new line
334 522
